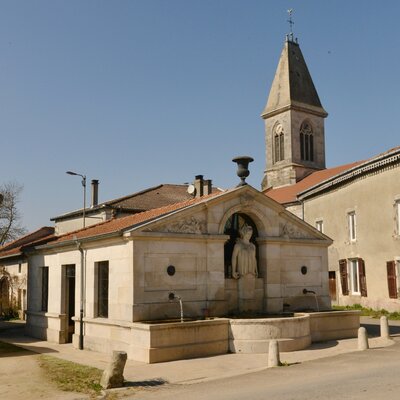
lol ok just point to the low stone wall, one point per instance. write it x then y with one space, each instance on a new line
158 342
154 343
333 325
254 335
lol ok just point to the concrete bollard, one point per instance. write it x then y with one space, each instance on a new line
384 327
273 354
362 339
113 376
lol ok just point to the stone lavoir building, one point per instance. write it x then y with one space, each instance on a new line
357 205
132 264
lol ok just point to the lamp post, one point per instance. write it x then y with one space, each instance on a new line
83 262
84 193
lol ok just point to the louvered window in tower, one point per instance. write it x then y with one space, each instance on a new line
279 144
306 142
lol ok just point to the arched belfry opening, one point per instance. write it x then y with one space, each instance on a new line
232 228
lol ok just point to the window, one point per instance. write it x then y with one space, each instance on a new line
306 142
352 277
352 226
279 143
19 268
45 288
102 289
397 216
320 225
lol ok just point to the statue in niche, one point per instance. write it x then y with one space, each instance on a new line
244 260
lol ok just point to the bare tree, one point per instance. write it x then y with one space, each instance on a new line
10 218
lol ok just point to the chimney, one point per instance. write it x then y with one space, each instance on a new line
95 193
207 186
198 185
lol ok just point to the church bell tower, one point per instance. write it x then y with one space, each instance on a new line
294 122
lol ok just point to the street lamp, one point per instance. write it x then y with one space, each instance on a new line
84 193
83 262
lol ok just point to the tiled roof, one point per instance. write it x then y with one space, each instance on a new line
118 224
288 194
39 236
148 199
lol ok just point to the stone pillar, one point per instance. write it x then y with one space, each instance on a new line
384 327
273 354
113 376
362 339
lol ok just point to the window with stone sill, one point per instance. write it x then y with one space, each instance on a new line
397 217
102 275
353 277
45 288
352 224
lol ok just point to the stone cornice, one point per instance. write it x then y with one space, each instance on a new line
298 107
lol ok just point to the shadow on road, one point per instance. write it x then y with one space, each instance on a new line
148 383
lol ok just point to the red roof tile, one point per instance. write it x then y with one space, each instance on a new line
288 194
39 236
119 224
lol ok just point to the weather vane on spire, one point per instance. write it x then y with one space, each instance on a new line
291 23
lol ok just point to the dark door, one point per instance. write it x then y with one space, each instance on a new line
70 309
332 284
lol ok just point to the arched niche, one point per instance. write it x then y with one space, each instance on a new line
232 228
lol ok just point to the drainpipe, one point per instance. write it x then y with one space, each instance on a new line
79 245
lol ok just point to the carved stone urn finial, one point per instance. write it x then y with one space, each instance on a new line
243 171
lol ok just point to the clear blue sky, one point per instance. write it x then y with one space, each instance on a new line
136 93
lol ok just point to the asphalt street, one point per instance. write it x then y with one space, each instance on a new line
371 374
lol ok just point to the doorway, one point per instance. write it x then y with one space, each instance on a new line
332 285
4 295
70 300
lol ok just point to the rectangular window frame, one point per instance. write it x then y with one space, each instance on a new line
354 277
397 216
102 286
352 223
45 289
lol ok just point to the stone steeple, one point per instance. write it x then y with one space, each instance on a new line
294 122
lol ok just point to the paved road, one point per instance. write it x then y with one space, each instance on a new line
372 374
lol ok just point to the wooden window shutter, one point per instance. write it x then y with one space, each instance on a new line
363 279
391 278
343 277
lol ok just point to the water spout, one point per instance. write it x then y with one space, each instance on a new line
173 296
306 291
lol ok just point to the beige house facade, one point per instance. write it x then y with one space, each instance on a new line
14 272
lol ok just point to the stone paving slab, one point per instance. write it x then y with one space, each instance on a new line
192 370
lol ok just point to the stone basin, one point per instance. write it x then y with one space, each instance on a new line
158 341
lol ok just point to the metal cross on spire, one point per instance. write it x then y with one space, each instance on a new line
291 23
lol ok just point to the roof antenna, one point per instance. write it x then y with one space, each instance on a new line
291 23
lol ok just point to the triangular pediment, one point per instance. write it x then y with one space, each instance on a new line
209 217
